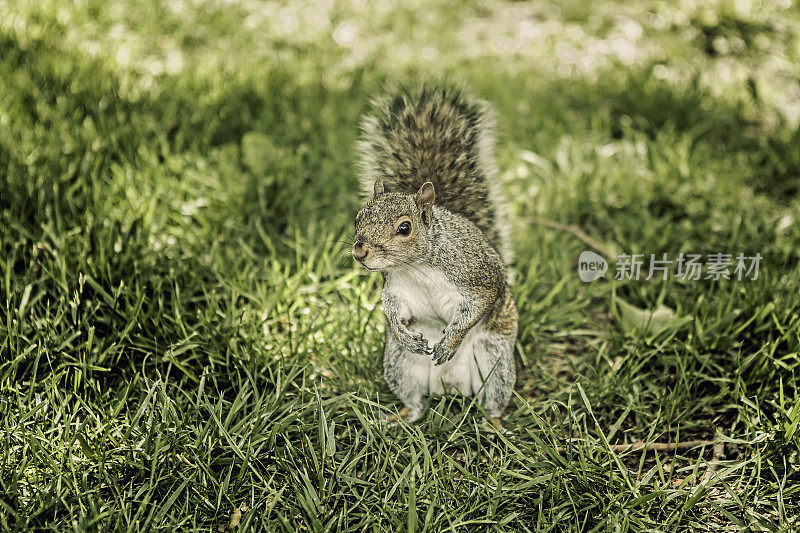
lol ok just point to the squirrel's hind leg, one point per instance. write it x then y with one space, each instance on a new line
494 354
405 373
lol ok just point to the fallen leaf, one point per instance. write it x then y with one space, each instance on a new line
634 319
236 517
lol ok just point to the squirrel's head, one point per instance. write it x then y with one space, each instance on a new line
392 228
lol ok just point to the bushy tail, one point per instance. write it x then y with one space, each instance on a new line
433 132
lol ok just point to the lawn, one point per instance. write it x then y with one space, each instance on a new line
186 345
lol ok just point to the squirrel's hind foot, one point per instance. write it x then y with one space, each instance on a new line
406 414
494 424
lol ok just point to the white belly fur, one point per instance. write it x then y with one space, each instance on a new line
431 300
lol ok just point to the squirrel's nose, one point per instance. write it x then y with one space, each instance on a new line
360 251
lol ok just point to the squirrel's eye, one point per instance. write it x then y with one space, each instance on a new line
404 228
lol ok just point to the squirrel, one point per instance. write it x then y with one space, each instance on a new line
435 226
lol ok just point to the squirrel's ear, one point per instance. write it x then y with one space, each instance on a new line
378 186
425 197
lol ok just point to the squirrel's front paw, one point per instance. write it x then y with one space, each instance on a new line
416 343
442 353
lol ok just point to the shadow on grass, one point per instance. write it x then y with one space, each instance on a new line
108 271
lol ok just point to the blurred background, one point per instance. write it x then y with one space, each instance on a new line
292 78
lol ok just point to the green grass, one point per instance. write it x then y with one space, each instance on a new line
182 332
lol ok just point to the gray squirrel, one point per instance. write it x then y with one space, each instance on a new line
436 228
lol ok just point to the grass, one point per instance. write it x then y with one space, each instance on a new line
182 332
